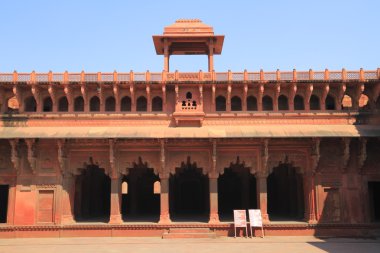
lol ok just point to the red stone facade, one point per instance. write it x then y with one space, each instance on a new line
135 154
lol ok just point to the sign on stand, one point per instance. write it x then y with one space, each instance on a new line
240 220
255 220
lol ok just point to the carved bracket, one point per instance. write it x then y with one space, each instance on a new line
315 154
32 159
62 156
362 156
345 153
15 156
264 158
113 173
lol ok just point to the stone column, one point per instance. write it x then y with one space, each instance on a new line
309 189
213 186
164 200
115 216
262 196
67 198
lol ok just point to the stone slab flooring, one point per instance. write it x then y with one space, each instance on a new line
220 245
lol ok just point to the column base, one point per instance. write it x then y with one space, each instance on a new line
67 219
115 219
164 219
265 217
311 219
214 219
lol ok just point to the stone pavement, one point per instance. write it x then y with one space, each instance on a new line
220 245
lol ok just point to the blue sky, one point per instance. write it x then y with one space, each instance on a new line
93 36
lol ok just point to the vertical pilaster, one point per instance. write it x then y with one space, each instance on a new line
164 199
166 55
213 186
67 198
308 179
115 215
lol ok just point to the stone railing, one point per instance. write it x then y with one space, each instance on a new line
162 77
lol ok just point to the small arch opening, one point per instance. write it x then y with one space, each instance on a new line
236 104
251 103
141 105
47 105
30 104
126 104
110 104
299 103
157 104
189 95
220 103
63 104
283 104
330 103
79 104
314 103
267 103
94 104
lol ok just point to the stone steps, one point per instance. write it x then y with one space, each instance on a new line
177 233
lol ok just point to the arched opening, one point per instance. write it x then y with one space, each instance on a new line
92 195
110 104
30 104
189 194
63 104
189 95
13 105
314 103
94 104
236 190
251 103
236 104
126 104
79 104
299 103
285 194
140 203
374 200
267 103
330 103
157 104
141 104
4 192
47 105
283 104
346 102
220 104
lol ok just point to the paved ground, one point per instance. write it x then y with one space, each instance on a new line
220 245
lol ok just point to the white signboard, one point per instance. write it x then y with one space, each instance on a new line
255 219
240 218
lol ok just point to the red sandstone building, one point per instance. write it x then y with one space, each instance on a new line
117 154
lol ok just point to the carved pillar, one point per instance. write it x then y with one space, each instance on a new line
164 180
211 56
164 199
261 182
262 195
115 215
213 186
229 90
308 93
309 183
166 55
260 98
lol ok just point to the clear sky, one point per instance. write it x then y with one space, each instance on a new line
110 35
